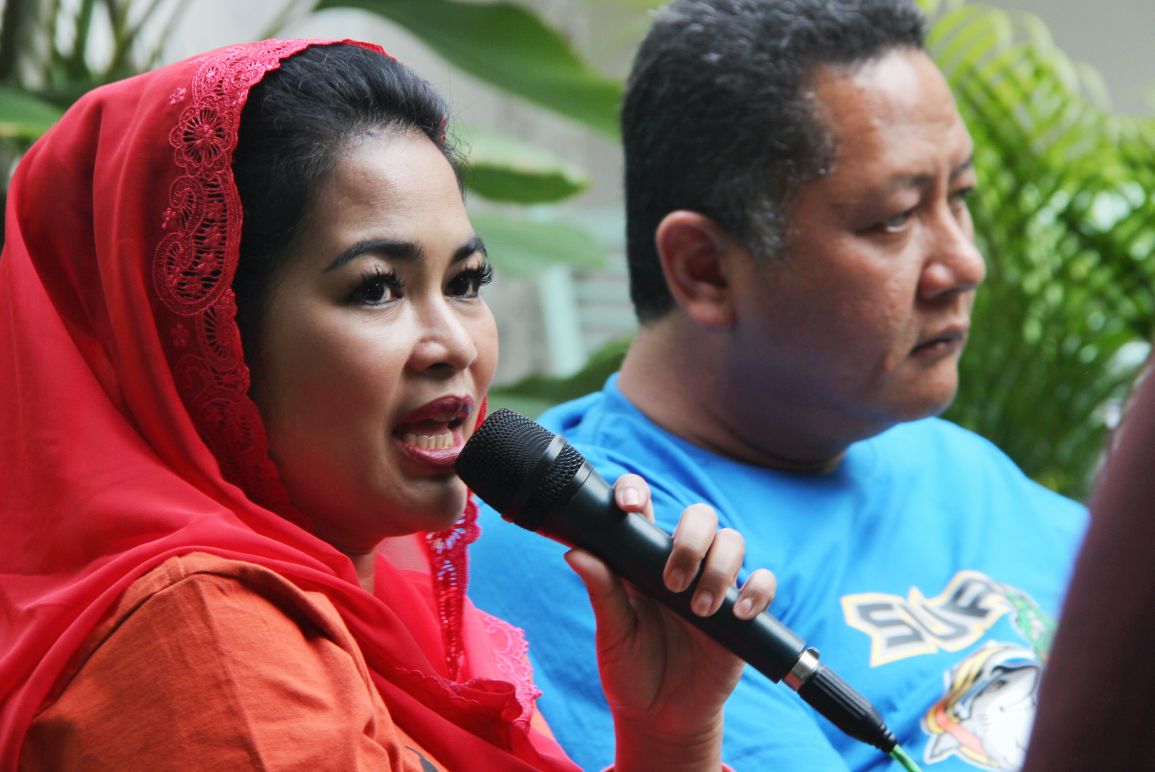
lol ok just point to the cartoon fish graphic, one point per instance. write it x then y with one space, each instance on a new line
986 713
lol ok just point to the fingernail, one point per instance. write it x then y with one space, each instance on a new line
703 603
630 497
743 608
677 581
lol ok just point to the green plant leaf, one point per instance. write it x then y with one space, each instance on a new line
1063 216
510 47
503 169
24 116
522 247
533 395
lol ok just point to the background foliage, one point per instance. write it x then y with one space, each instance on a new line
1065 212
1066 219
47 61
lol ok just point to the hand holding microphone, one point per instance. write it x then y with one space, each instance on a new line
631 628
666 683
538 481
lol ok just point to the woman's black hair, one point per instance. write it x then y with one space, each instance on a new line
295 124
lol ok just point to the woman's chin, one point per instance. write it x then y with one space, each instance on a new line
422 506
441 511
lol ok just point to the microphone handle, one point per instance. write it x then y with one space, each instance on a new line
637 550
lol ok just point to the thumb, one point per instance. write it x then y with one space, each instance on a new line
607 593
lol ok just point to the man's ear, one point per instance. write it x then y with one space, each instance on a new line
696 256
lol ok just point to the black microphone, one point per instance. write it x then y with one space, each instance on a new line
538 481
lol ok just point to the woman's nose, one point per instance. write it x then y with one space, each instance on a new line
445 341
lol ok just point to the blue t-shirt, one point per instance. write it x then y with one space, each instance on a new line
926 569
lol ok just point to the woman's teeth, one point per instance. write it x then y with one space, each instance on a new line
429 441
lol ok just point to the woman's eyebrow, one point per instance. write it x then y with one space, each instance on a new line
471 247
401 250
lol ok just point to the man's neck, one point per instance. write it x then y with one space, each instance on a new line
681 380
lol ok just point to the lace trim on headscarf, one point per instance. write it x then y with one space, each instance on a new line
449 563
195 262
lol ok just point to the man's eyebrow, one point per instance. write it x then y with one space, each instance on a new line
401 250
902 181
962 168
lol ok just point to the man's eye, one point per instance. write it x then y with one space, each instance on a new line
960 196
896 223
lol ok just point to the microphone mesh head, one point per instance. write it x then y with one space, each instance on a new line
549 491
499 458
500 454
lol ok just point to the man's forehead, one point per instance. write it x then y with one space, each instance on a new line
895 112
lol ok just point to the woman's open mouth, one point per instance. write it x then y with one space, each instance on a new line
432 434
434 439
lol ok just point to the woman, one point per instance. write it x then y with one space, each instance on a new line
232 557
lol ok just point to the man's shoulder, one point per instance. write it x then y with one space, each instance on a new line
568 416
936 429
937 439
585 415
606 425
941 450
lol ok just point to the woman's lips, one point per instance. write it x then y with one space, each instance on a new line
431 435
440 459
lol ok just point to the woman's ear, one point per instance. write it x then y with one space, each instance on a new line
696 255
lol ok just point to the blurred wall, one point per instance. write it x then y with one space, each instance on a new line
550 325
1116 37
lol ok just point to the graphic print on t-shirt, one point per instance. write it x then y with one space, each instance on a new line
989 697
985 716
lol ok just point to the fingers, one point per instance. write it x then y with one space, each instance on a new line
718 554
631 494
692 541
756 594
597 576
699 549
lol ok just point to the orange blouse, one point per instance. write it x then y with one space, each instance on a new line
219 664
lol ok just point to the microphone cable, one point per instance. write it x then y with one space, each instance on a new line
899 754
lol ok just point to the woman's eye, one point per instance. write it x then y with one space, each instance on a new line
377 288
469 282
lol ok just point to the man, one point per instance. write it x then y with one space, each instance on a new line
803 269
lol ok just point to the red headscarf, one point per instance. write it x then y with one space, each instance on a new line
126 432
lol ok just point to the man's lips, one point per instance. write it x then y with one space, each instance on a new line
948 339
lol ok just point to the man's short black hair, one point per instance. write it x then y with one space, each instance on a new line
718 118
